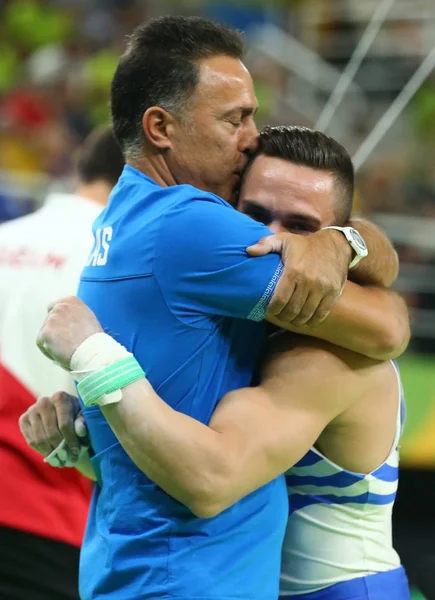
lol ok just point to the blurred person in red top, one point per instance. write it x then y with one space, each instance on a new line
43 511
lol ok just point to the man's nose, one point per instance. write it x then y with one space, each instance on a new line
250 138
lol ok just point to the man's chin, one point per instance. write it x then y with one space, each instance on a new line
229 194
233 200
233 196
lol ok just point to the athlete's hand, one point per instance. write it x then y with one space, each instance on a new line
69 322
315 271
54 421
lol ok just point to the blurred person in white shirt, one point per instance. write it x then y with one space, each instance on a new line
41 257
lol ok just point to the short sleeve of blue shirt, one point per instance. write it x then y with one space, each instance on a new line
202 267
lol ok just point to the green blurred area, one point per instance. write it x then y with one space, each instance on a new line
415 595
418 441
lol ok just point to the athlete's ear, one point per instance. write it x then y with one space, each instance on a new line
158 125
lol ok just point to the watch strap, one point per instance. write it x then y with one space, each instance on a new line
359 255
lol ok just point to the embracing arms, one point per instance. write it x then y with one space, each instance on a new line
218 272
255 433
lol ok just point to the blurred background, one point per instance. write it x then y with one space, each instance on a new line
57 59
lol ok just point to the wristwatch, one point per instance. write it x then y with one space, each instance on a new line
356 242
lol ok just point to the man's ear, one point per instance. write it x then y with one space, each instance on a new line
158 125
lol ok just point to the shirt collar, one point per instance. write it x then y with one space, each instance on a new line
130 171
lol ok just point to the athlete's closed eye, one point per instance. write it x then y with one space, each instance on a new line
258 213
299 227
294 223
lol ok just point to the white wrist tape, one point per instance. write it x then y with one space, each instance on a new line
102 367
98 351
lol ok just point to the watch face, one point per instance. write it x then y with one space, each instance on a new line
357 239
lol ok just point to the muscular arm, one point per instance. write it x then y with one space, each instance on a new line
368 320
255 434
381 267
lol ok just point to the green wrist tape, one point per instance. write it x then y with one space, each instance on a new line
109 379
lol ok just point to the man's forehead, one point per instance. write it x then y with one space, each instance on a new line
227 78
277 173
223 68
288 188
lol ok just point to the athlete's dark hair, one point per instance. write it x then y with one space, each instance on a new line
160 68
100 157
304 146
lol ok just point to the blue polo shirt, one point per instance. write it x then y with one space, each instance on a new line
169 278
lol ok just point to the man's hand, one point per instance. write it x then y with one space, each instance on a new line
315 271
53 420
69 323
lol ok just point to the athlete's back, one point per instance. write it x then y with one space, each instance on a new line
177 310
338 543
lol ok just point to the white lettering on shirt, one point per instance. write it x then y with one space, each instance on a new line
99 254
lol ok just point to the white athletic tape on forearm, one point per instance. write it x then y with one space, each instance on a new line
98 351
102 367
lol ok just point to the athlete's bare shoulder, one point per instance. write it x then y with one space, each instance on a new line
287 350
359 395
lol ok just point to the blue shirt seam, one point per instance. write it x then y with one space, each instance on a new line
258 313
